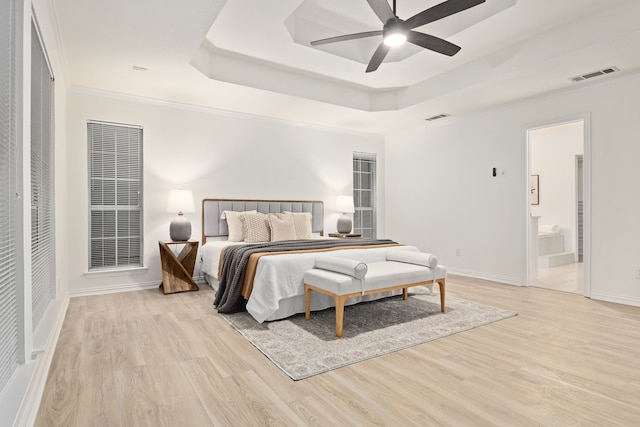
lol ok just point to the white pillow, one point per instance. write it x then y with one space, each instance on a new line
234 223
302 223
282 227
255 227
346 266
410 257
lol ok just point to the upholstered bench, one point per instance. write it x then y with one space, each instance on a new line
343 278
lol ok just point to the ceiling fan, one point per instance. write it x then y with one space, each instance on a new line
397 31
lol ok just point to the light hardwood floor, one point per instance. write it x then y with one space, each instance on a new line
148 359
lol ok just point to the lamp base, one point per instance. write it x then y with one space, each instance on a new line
180 229
344 224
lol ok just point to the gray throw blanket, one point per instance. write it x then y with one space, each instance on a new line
235 259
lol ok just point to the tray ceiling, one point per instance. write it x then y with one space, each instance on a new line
253 56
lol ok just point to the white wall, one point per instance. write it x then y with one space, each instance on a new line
214 154
446 201
444 198
553 159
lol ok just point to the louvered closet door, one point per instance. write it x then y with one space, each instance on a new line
9 208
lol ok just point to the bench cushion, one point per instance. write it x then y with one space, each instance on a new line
379 275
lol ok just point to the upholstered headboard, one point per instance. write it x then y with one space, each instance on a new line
214 226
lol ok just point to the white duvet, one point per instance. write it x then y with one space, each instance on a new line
278 288
211 256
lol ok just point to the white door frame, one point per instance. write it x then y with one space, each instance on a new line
585 118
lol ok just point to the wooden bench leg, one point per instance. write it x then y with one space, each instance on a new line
340 299
339 313
307 302
442 290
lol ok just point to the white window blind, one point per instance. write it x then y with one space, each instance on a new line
364 194
115 187
43 262
8 185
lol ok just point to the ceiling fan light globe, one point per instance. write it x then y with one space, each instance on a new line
395 39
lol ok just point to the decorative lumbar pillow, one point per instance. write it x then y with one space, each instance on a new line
346 266
256 228
282 227
410 257
234 224
302 222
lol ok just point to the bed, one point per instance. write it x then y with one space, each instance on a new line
277 288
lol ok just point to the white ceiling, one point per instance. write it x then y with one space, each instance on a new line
253 56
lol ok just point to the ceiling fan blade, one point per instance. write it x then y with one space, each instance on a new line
435 44
382 9
346 37
378 57
440 11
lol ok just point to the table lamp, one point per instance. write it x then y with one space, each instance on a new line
180 202
344 204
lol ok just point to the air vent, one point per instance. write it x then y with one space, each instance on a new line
594 74
439 116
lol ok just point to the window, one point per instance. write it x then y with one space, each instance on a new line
115 192
364 194
9 205
43 262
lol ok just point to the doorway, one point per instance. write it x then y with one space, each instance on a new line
557 159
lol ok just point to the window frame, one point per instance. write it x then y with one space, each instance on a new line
360 188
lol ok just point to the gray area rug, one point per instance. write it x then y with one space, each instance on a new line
305 348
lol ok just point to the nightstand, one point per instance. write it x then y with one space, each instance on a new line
345 235
177 269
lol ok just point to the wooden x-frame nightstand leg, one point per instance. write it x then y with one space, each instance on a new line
177 270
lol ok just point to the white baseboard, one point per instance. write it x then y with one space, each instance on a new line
14 394
484 276
127 287
112 289
45 327
615 298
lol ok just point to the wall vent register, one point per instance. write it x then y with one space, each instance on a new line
438 117
593 74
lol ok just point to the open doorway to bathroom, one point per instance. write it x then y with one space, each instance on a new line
557 205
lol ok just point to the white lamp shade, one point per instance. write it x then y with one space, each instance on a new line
344 204
180 201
